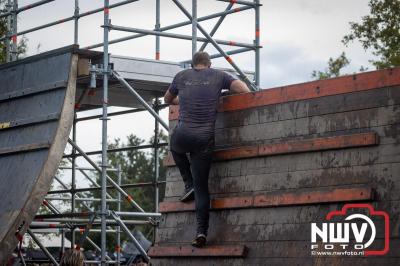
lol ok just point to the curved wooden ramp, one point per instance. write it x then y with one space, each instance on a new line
285 158
37 98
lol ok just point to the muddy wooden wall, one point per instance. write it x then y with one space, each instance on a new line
285 158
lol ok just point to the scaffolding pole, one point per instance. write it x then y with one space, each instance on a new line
157 28
182 36
134 240
174 26
61 21
56 211
73 177
104 143
14 50
156 164
250 84
134 185
113 183
257 42
128 148
118 248
216 26
76 22
194 27
71 221
43 248
141 100
27 7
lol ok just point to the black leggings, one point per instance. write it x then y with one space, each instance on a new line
198 141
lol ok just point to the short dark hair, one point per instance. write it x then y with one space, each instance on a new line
72 257
201 58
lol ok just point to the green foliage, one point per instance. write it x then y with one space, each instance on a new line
23 41
3 30
333 69
379 31
137 166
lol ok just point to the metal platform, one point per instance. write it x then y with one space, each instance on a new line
150 78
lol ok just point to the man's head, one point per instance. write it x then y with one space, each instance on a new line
201 59
72 257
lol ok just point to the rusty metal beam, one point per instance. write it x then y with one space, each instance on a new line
280 198
294 146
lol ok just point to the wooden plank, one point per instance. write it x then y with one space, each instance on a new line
309 90
293 214
251 216
30 121
189 251
232 202
176 206
24 148
357 156
231 233
237 153
340 176
33 90
324 125
292 249
270 199
319 144
295 146
27 177
318 196
341 103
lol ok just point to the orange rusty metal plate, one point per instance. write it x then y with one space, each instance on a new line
295 146
281 198
318 144
317 196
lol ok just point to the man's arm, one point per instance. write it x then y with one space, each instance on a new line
171 98
238 86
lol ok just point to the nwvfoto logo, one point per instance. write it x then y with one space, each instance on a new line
336 235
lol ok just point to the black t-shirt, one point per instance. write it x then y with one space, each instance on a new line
199 90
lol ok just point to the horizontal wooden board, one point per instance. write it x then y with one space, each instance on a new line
310 108
255 232
291 249
372 155
295 214
307 108
330 124
321 195
189 251
381 174
309 90
306 145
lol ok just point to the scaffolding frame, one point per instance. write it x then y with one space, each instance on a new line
76 221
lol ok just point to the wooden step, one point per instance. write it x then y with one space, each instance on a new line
276 199
189 251
293 146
